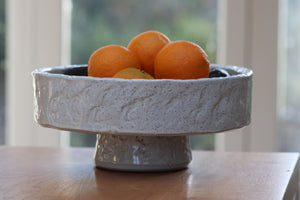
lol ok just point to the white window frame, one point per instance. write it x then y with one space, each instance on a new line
38 36
248 36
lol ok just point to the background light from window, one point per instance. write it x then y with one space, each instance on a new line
98 23
289 75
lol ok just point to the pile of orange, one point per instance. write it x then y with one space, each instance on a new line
150 55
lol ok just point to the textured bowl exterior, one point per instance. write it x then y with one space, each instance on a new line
142 107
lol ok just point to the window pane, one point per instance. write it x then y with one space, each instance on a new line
289 75
2 72
98 23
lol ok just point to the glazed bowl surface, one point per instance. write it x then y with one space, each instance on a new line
66 98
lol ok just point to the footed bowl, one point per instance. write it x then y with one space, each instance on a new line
142 125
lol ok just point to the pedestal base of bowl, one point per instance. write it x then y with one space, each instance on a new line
142 153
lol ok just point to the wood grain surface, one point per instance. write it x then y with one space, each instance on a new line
69 173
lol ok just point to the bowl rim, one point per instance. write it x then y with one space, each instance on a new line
238 73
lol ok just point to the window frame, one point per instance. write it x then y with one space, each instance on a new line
37 36
248 36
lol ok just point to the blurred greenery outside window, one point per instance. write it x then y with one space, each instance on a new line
289 113
2 72
99 23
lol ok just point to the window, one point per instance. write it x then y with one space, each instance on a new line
99 23
247 36
2 72
289 74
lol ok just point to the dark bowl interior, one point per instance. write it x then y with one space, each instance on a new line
80 70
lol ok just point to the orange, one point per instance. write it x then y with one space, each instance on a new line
108 60
132 73
146 45
181 60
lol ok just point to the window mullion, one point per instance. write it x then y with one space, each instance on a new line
34 40
248 37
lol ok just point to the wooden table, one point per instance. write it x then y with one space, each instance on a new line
69 173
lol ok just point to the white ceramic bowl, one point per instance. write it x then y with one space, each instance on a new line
142 125
65 98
